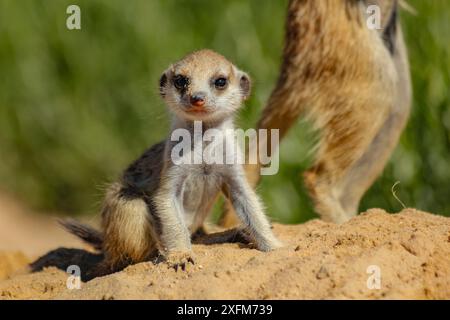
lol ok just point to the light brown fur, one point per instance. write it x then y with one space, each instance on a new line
342 76
158 205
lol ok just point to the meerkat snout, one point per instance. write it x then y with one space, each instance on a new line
204 86
198 99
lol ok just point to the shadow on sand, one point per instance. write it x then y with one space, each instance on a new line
62 258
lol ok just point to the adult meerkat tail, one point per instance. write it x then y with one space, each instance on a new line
86 233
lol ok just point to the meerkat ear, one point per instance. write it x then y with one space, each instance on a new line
162 84
245 85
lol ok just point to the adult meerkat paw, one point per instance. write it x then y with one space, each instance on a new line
180 260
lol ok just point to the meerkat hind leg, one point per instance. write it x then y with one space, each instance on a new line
343 143
361 176
371 164
324 196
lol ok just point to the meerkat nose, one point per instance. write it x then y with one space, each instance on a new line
197 99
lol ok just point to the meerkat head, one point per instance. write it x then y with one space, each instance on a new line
204 86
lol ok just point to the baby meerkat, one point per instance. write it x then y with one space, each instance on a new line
159 203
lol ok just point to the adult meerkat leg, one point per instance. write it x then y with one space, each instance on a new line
128 233
358 142
341 146
328 50
371 164
291 94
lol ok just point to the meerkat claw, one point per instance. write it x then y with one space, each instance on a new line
179 260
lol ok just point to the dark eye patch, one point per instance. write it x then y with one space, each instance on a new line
221 83
181 82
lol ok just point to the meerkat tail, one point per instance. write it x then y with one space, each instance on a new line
86 233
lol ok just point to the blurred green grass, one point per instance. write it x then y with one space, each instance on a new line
77 106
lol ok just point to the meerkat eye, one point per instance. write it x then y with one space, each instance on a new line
220 83
180 82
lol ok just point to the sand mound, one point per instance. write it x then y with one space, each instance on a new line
411 250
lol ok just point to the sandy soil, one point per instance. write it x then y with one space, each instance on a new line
320 261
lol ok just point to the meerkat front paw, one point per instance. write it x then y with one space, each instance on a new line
269 244
180 260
